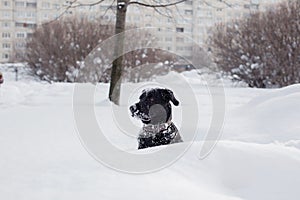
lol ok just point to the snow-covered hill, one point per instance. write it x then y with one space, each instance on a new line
257 158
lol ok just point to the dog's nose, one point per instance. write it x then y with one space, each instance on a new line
132 109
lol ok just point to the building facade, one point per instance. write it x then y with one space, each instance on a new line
191 19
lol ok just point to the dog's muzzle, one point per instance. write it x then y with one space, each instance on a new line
135 112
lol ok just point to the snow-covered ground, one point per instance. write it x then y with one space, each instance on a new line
41 156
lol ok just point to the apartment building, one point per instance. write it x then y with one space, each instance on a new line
191 19
18 19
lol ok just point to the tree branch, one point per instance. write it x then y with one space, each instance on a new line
72 4
86 4
161 13
156 5
109 8
226 3
211 5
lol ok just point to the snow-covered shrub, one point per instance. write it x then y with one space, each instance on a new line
145 64
141 64
262 50
56 50
68 50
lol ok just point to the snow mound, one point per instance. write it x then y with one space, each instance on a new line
277 113
257 171
275 94
258 157
206 77
270 117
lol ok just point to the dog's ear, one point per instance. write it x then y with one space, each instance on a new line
171 97
143 95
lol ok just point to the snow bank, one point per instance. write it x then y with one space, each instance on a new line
206 77
270 117
258 157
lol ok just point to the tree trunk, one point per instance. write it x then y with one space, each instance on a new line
116 73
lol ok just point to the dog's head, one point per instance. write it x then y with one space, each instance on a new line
154 106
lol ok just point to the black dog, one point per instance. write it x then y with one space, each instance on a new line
155 111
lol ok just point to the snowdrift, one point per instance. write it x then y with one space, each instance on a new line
257 158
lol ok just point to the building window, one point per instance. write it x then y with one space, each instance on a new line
46 5
18 24
179 30
20 55
179 39
169 39
29 35
21 14
5 35
31 15
31 5
25 25
5 24
5 56
179 48
6 14
30 25
20 4
189 2
188 12
20 45
57 6
6 46
6 3
21 35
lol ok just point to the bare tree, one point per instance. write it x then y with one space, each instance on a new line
262 50
122 5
